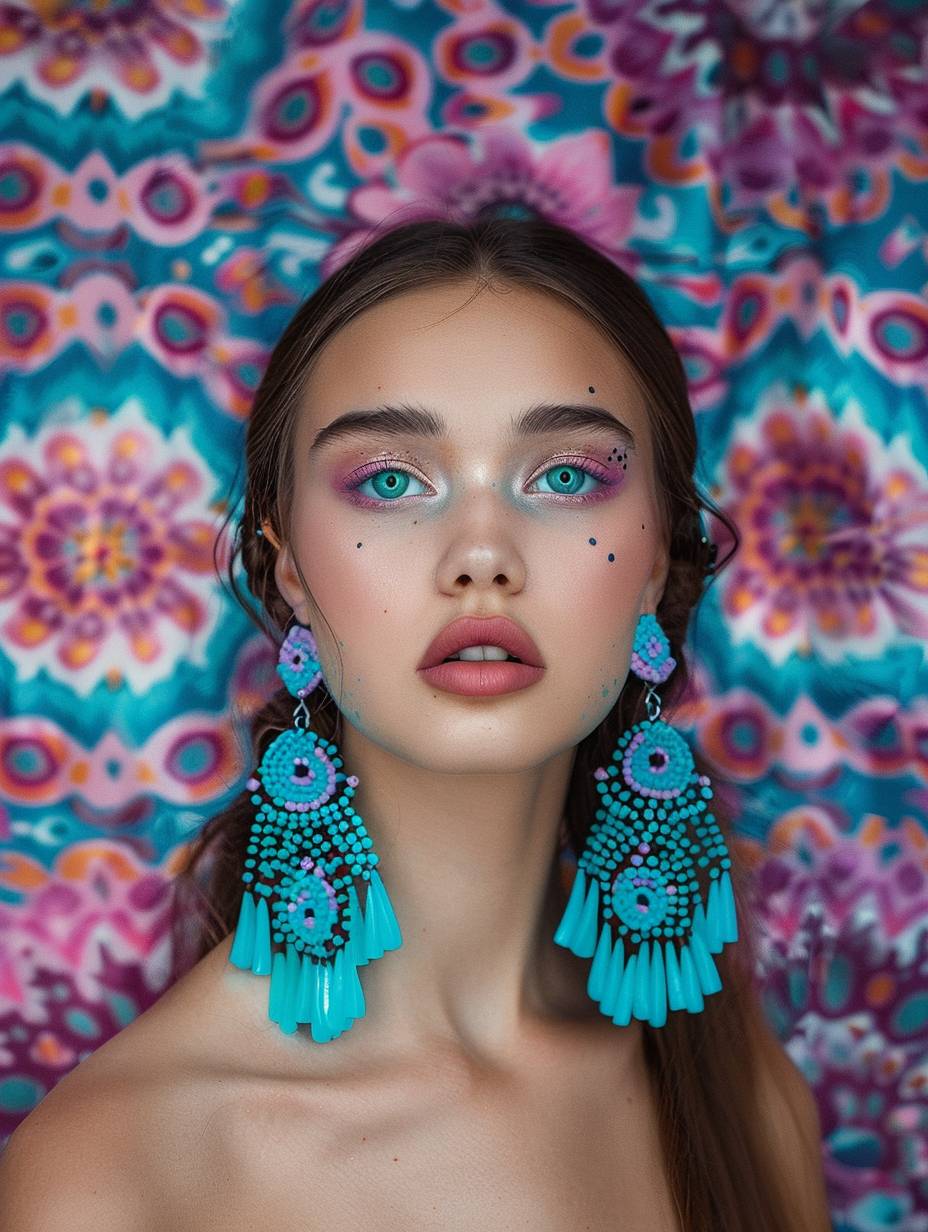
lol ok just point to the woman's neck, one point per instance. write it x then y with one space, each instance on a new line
470 862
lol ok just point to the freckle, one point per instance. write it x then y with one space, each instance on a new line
592 541
611 556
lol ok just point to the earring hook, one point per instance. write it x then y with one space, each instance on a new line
264 529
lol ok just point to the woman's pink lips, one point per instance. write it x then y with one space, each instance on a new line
481 678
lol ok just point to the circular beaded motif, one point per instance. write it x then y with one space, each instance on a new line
298 769
657 762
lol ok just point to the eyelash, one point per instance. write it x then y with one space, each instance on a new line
586 465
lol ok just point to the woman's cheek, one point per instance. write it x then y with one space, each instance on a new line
360 585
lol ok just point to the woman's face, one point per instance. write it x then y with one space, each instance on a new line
398 535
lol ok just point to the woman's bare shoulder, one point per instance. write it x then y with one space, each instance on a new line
114 1139
67 1158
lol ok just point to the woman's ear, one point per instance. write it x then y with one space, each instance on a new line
654 591
288 582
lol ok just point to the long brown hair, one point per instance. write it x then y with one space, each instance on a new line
702 1066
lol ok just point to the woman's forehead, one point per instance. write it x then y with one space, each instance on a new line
485 365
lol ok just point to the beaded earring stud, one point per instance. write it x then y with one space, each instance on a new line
637 872
308 855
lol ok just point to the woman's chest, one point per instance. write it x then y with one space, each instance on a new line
511 1157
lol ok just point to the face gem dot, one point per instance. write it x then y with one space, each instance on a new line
611 556
591 389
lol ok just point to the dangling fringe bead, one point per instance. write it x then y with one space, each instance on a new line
251 946
597 978
613 979
565 930
658 989
243 945
381 931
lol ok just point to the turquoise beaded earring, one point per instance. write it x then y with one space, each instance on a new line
308 855
637 871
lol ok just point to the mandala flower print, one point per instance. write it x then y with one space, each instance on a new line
453 176
85 946
140 53
780 94
833 559
106 551
843 946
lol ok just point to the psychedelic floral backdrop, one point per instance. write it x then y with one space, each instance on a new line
176 175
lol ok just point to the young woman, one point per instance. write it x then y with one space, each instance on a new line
468 436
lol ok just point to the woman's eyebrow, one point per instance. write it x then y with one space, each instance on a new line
405 419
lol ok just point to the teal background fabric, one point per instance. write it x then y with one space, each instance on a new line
177 175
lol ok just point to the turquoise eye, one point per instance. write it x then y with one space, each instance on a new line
568 479
388 483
